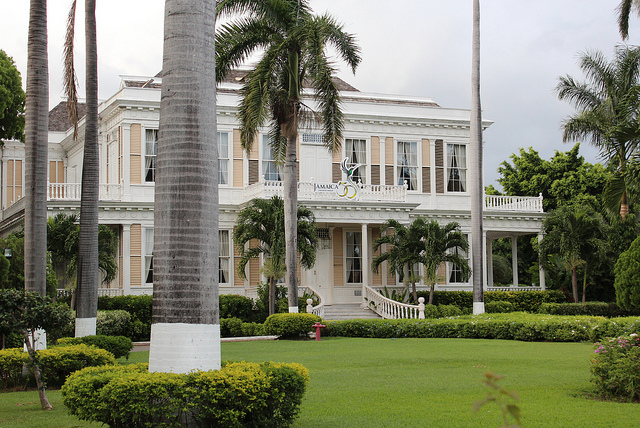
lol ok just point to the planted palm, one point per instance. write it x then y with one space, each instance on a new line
293 42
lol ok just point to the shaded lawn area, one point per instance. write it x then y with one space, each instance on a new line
408 383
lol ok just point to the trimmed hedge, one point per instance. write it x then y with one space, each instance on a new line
601 309
239 395
113 323
500 306
290 325
119 346
516 326
139 307
235 306
523 301
56 363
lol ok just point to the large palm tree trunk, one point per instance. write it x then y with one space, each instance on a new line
36 150
185 330
291 221
88 277
477 188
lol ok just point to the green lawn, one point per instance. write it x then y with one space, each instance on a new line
408 383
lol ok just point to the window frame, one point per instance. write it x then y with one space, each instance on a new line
362 173
226 159
453 269
397 166
264 162
147 256
227 257
460 182
358 272
152 158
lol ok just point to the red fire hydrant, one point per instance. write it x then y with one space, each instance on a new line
318 326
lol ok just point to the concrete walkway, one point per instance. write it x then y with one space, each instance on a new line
144 346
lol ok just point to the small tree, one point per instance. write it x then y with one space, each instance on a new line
12 98
263 221
627 271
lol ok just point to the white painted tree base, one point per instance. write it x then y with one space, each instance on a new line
181 348
293 309
86 327
40 342
478 308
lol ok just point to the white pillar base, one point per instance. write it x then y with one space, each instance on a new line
478 308
181 348
293 309
86 327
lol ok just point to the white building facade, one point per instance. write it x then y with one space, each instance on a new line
413 157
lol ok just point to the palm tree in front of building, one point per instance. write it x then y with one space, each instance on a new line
260 231
185 325
293 42
607 107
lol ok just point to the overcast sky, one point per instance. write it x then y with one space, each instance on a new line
409 47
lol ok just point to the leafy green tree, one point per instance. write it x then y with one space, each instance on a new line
15 272
263 220
607 105
423 242
12 99
574 234
294 43
627 270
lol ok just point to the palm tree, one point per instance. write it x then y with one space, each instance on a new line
624 10
574 234
607 115
263 220
294 42
477 187
185 329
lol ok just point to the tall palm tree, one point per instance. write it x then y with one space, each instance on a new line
263 220
574 234
185 329
607 114
624 10
477 187
36 150
293 41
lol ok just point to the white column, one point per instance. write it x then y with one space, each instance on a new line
489 250
126 258
366 264
543 281
126 162
514 259
485 261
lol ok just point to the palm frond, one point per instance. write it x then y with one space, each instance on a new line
70 81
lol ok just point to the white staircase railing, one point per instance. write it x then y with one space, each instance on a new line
390 309
316 310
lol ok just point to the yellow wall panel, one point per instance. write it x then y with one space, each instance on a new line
426 152
136 271
375 150
136 240
338 262
375 277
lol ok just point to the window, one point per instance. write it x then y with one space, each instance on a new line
407 164
356 151
148 256
354 257
225 257
456 168
455 273
151 150
270 170
223 158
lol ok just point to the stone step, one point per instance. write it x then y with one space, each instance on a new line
347 312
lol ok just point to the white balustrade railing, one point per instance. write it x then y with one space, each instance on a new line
316 310
390 309
513 203
309 190
516 288
73 191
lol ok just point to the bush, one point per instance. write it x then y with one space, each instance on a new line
615 367
119 346
448 311
139 307
290 324
231 327
235 306
238 395
523 301
499 306
252 329
627 271
56 363
113 323
601 309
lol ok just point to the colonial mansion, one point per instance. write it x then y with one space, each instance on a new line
402 157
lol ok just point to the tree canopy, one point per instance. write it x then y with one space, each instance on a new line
12 99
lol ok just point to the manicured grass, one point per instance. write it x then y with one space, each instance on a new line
408 383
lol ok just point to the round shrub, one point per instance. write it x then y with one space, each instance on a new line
615 367
499 306
627 272
449 311
139 307
231 327
119 346
238 395
235 306
290 325
113 323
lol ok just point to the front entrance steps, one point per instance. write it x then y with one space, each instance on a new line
348 311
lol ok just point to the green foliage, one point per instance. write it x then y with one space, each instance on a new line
523 301
290 325
21 310
113 323
504 399
12 100
235 306
600 309
231 327
262 303
499 306
252 329
15 274
394 295
615 367
238 395
511 326
139 307
627 283
448 311
56 363
119 346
